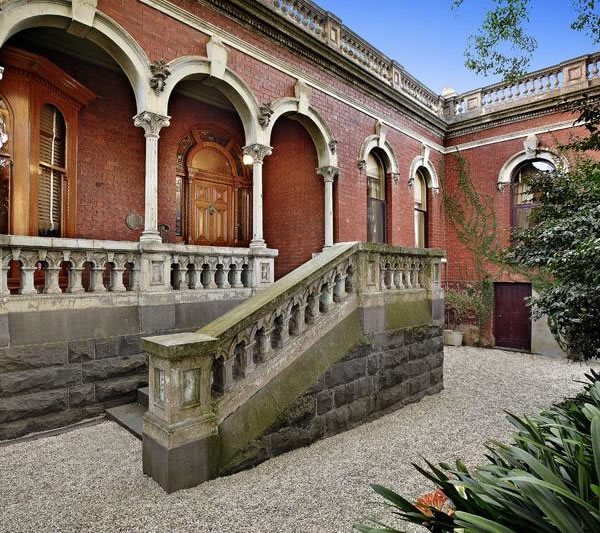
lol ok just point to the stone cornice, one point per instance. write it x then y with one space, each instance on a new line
264 21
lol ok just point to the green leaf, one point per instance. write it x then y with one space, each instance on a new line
481 524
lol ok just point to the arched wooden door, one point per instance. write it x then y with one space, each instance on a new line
211 181
217 191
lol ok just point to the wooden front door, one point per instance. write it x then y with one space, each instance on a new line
512 316
212 213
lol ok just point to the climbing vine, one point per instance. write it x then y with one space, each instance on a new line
472 217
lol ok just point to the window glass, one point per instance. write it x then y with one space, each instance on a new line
522 199
375 178
420 216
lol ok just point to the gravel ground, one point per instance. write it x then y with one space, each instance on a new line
91 479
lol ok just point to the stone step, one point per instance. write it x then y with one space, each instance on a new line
129 416
142 397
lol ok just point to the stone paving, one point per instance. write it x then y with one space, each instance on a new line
90 479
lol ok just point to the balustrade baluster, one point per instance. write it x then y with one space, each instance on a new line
398 276
97 281
339 291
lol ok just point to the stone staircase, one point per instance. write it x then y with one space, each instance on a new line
351 333
131 415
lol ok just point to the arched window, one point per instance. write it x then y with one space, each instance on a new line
420 189
522 199
52 170
376 205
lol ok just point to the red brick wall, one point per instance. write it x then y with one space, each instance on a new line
485 163
293 197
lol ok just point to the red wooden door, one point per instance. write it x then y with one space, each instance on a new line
512 317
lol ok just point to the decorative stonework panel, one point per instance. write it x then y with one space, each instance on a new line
190 391
265 273
159 383
157 273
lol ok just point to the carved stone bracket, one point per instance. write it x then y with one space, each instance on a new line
436 191
395 177
264 117
329 173
258 151
333 146
160 72
411 181
362 164
151 122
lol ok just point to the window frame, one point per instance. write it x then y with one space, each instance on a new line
515 180
420 177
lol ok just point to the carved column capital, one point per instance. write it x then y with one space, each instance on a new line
329 173
151 122
258 152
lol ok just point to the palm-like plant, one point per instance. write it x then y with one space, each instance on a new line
547 480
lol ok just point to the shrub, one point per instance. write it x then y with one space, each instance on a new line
547 480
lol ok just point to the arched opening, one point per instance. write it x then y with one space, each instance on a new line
522 200
294 196
212 189
376 198
420 209
204 189
79 148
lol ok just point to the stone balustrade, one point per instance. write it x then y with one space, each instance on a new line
558 80
38 266
568 76
327 28
198 379
304 14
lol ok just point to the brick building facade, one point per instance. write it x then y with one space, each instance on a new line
201 138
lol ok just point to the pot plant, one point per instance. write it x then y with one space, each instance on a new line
461 308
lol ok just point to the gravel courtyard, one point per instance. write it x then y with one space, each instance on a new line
91 480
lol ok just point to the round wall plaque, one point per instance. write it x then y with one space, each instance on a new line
134 221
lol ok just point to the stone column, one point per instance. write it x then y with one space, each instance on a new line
152 124
329 174
257 152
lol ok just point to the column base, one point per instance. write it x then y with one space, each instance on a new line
150 236
258 243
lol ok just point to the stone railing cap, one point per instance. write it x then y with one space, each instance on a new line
178 345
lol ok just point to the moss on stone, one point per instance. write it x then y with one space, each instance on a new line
407 314
270 405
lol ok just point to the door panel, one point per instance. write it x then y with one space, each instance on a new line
212 213
512 317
